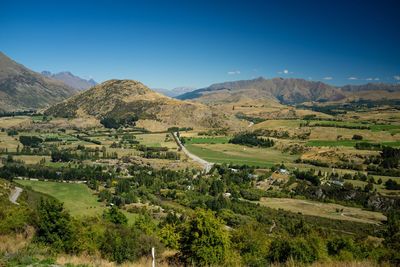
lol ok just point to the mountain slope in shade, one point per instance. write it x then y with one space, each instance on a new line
174 92
22 88
287 91
72 80
122 98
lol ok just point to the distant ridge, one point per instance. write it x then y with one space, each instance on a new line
23 89
289 91
174 92
70 79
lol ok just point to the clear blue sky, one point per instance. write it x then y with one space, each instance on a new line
167 44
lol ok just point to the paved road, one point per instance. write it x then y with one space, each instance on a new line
15 194
206 165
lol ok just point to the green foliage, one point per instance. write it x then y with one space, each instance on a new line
251 139
12 132
115 216
170 236
30 141
252 244
308 176
357 137
204 241
121 243
298 249
54 226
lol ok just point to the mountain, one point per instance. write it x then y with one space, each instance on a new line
122 99
174 92
372 87
22 88
289 91
72 80
286 91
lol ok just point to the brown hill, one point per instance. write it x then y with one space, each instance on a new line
23 89
120 99
286 91
289 91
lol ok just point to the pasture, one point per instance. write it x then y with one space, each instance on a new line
326 210
78 199
237 154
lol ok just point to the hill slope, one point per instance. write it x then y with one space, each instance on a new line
71 80
289 91
21 88
120 99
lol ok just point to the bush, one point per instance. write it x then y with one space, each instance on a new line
54 226
299 249
357 137
121 243
115 216
204 241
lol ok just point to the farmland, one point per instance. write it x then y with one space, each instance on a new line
78 199
326 210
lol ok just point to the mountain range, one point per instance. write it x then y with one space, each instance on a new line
175 91
22 88
71 80
289 91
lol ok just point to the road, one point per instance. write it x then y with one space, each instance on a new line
15 194
206 165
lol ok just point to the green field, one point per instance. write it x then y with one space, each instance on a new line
207 140
236 154
347 143
78 199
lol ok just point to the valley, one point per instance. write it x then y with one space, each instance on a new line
119 161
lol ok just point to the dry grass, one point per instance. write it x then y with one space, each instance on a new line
96 260
8 122
31 159
8 142
11 244
327 210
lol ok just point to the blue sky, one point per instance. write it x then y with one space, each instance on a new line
167 44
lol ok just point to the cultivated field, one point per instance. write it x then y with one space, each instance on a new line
237 154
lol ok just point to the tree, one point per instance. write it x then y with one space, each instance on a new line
31 141
217 187
204 240
357 137
115 216
170 236
392 185
368 187
54 226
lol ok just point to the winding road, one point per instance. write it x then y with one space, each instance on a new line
15 194
206 165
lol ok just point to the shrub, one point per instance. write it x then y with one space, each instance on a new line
54 226
115 216
204 241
